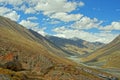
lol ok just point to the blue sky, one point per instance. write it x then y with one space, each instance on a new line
90 20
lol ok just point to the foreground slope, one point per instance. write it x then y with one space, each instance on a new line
40 59
27 44
107 56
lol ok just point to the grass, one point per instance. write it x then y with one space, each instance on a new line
109 49
77 50
12 75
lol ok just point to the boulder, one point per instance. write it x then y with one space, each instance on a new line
13 65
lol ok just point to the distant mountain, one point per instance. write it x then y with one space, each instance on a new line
107 56
75 46
39 58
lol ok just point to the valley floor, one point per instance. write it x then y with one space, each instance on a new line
113 71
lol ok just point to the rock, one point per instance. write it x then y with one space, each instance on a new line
13 65
4 77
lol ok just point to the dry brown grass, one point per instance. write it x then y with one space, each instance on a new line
107 50
12 75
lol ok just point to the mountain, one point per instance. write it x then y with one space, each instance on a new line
26 55
75 46
107 56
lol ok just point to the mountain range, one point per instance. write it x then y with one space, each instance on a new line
107 56
27 55
75 46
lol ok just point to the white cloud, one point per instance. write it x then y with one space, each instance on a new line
32 18
15 2
28 23
66 17
59 9
6 12
112 26
32 2
86 23
47 6
54 22
34 26
20 8
21 5
81 4
54 9
13 16
103 37
12 2
30 10
60 29
42 31
54 6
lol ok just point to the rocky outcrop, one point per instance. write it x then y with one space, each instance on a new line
13 65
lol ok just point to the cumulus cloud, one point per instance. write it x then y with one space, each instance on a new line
42 31
34 26
54 6
32 18
86 23
81 4
13 15
54 9
30 10
32 2
103 37
20 8
12 2
6 12
28 24
66 17
112 26
59 9
60 29
54 22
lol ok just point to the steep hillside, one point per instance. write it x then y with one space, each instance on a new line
38 57
75 46
107 56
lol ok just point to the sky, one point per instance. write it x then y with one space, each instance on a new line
90 20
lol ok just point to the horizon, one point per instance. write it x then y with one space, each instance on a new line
96 21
